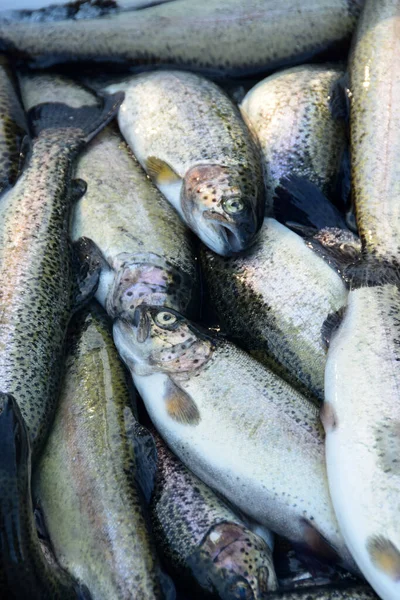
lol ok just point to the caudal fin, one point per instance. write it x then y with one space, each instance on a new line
88 120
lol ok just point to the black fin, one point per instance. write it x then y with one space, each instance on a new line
341 194
339 248
167 586
88 119
40 524
78 188
339 102
300 201
88 263
145 453
331 325
370 271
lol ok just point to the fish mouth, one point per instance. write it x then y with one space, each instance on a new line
225 239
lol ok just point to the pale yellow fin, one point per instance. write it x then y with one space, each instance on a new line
385 556
180 405
160 171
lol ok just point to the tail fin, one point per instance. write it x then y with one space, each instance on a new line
88 119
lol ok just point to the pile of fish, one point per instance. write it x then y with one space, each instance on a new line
199 300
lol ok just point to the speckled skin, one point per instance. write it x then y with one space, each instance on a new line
290 112
85 480
274 299
357 592
375 128
39 286
362 420
217 36
148 248
24 570
13 127
256 440
192 526
190 124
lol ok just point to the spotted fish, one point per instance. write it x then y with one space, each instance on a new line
192 141
203 539
42 282
235 424
93 468
228 37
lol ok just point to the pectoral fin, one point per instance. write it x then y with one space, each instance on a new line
88 264
180 405
145 453
160 171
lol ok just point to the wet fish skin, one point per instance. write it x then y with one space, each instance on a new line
13 126
273 301
148 253
189 137
291 114
87 478
235 424
40 280
210 37
201 536
356 592
361 418
24 570
375 121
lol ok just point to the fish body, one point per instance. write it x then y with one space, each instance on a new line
40 286
200 536
189 137
274 299
13 127
374 127
291 114
235 424
87 478
228 37
148 252
24 569
361 416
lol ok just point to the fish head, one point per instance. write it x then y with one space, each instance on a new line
160 340
222 207
237 562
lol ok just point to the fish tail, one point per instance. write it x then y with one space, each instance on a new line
86 120
371 271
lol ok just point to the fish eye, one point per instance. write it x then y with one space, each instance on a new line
232 205
241 590
165 319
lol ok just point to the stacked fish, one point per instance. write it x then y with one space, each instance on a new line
199 258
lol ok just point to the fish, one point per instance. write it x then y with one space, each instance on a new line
201 537
361 417
24 569
225 37
97 470
291 113
189 137
354 592
239 427
13 127
374 98
43 277
273 300
145 251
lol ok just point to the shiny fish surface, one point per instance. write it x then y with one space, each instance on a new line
357 592
291 114
87 478
235 424
274 299
361 416
148 252
375 128
227 37
190 138
201 537
13 127
40 282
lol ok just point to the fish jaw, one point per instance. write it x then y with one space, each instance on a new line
361 420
